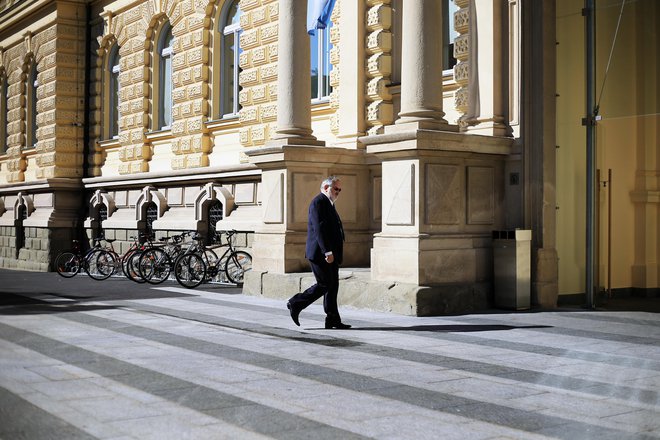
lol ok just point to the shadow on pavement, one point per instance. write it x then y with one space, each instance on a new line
462 328
11 304
81 288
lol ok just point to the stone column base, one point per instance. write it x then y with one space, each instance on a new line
431 260
357 289
545 289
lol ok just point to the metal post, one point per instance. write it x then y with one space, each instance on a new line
590 124
609 233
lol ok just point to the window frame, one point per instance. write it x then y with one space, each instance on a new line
323 47
162 79
31 87
4 110
228 87
113 99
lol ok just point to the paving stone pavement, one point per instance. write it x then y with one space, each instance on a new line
117 360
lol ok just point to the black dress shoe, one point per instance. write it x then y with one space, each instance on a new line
294 313
337 325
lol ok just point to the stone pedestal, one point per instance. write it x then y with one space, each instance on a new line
442 195
291 178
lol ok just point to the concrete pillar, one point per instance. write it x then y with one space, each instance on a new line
421 63
294 112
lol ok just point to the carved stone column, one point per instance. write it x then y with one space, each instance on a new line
421 63
294 108
487 100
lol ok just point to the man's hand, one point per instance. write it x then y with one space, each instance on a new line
329 258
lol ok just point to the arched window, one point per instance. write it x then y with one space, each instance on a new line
320 62
229 31
163 76
31 90
112 91
4 98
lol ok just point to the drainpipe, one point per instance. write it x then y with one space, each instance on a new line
589 12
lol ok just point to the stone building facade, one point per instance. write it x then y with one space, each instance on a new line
439 116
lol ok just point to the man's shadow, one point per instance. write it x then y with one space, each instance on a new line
456 328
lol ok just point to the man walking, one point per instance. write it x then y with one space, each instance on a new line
324 250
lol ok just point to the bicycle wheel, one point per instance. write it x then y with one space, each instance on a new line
190 270
100 264
133 267
155 266
67 264
237 264
125 259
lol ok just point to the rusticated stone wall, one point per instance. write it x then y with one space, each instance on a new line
258 79
58 51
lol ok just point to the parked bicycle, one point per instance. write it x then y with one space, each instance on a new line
155 263
199 263
108 261
69 263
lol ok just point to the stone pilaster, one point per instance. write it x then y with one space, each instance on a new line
60 105
380 109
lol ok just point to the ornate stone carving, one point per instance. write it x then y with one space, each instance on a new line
379 65
461 52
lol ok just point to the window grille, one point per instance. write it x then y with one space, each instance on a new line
151 216
113 92
31 88
214 216
103 213
20 229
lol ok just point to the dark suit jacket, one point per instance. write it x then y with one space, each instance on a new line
324 231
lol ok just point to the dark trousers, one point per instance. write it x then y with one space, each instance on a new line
327 285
